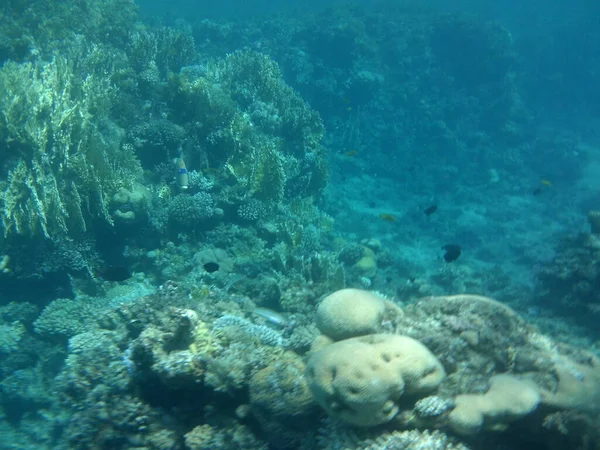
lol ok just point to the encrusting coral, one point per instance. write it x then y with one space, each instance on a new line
508 399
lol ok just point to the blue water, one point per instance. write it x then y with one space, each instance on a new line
186 184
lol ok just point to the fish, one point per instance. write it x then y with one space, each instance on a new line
388 217
113 273
547 183
182 175
430 210
271 316
211 267
351 153
451 252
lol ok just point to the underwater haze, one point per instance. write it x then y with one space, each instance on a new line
299 225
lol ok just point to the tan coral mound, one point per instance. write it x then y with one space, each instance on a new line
353 312
507 399
577 385
361 380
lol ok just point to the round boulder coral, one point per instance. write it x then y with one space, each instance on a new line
361 380
350 313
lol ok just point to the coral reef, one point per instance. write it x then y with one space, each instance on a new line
189 261
568 283
201 368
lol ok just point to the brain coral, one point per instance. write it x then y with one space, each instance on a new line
353 312
361 380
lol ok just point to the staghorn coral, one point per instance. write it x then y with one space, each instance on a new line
157 141
413 440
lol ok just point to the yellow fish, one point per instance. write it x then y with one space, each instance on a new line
387 217
547 183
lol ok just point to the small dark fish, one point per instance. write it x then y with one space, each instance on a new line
430 210
452 252
211 267
114 273
537 191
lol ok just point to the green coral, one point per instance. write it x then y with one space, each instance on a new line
64 317
255 129
165 50
41 26
64 157
10 336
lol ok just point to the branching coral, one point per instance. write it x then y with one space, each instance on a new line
253 127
